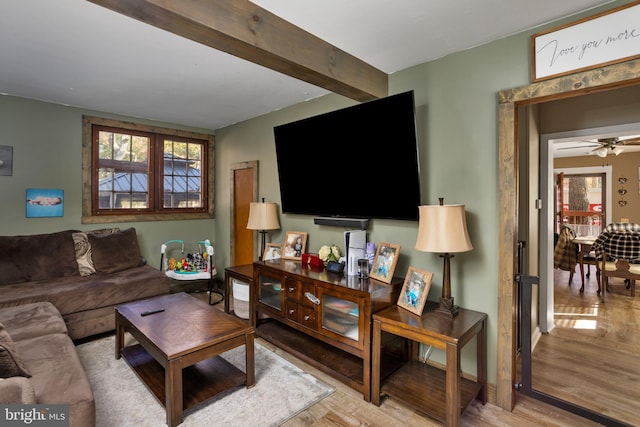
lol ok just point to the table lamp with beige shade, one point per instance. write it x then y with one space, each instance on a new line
263 216
443 229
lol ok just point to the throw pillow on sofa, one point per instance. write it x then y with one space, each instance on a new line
28 258
11 364
83 249
115 252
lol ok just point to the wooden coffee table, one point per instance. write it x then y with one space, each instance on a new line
176 356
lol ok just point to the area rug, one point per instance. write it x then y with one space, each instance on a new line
282 390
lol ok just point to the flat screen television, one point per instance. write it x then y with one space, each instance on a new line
357 162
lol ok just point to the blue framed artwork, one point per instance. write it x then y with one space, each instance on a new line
42 203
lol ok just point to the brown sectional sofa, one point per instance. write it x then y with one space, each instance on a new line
83 274
60 287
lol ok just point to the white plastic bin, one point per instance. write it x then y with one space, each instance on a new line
240 298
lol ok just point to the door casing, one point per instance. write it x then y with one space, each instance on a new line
601 79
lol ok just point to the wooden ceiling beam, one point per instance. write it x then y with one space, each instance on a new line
245 30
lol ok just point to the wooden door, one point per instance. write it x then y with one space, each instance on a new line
244 190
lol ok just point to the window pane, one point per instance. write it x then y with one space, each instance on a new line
123 170
140 149
583 203
182 183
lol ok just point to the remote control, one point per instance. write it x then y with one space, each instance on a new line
146 313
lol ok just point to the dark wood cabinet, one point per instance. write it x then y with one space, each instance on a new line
321 317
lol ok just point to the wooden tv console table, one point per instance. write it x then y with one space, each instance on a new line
321 317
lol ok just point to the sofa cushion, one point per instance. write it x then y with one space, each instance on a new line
115 252
32 320
37 257
76 294
58 376
17 390
11 364
83 249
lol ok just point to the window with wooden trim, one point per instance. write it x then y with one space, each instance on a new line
141 172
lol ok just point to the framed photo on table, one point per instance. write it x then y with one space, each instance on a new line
295 243
415 289
272 251
385 261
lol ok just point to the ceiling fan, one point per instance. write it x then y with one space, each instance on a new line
614 145
604 146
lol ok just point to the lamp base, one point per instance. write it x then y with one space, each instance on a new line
447 308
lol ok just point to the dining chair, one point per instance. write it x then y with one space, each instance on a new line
589 259
565 256
618 249
619 268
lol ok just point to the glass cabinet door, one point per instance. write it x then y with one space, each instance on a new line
270 291
340 316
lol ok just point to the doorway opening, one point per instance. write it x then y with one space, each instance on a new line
615 79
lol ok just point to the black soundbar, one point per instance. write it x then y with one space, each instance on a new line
361 223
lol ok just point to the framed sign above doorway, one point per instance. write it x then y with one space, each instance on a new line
607 38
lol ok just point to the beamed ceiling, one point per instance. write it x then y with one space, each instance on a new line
210 64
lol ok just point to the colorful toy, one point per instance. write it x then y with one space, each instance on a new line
190 266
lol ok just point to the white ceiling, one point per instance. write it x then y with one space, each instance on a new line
75 53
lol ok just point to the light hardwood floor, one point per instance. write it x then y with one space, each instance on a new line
346 407
591 357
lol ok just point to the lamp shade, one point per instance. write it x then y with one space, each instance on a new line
263 216
443 229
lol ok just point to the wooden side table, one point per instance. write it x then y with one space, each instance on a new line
442 394
239 272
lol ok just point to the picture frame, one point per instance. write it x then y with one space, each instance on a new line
6 160
415 290
44 203
272 252
295 243
384 263
592 42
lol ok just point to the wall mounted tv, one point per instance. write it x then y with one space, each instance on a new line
356 162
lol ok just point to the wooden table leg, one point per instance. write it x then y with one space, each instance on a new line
227 292
375 363
173 392
250 360
119 336
581 262
481 361
453 385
